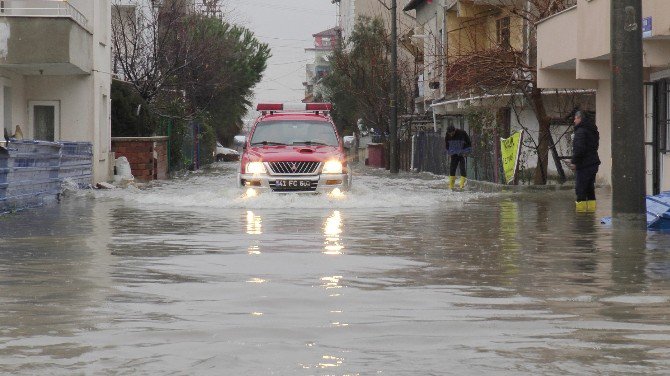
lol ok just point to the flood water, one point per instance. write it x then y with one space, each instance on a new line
399 277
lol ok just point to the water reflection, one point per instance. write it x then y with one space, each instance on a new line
629 252
254 250
331 231
55 276
331 282
585 259
509 228
254 224
329 361
512 285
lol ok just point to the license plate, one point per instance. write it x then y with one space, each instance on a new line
293 184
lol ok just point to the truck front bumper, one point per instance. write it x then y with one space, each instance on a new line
322 183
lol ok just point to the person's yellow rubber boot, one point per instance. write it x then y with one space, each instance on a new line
591 206
452 182
582 206
461 183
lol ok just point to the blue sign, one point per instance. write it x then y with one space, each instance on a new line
646 27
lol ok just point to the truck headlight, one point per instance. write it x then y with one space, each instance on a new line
255 168
332 167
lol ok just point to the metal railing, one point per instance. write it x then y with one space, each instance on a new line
42 8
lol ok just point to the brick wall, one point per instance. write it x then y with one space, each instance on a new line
147 156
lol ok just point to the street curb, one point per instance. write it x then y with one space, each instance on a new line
484 186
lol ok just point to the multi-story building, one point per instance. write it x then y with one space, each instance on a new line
135 23
319 65
429 35
350 10
478 55
55 73
129 18
574 52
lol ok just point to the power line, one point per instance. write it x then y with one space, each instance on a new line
284 75
286 39
291 62
295 9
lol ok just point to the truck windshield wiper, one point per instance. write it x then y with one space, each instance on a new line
309 143
267 143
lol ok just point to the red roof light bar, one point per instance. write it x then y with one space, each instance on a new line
319 106
294 107
270 107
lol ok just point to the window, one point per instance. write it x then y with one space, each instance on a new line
295 133
503 32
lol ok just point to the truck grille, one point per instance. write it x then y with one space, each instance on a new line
294 168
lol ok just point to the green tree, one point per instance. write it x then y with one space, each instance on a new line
359 84
130 112
184 67
222 86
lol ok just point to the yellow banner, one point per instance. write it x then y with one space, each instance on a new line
510 149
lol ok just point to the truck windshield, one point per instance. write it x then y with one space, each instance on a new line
294 132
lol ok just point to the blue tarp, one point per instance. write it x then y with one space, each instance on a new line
32 172
658 212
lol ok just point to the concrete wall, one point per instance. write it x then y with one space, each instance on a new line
552 51
44 45
604 122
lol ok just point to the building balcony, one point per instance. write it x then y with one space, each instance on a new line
574 45
44 37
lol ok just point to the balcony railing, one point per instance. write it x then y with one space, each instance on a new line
42 8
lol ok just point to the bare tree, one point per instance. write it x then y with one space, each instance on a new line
494 63
153 43
359 84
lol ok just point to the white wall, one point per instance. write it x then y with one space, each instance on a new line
604 122
84 100
347 17
19 112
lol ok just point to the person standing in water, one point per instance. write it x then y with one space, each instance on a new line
458 144
585 161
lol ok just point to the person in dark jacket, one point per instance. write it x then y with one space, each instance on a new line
585 161
458 145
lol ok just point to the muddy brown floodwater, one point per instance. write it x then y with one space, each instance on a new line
399 277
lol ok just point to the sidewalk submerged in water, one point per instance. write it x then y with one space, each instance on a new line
473 185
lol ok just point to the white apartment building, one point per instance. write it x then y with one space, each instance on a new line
55 73
350 10
580 59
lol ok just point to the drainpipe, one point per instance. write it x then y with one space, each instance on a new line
434 117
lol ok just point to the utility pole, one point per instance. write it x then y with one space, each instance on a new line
393 126
628 159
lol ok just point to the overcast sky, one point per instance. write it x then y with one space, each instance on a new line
287 26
